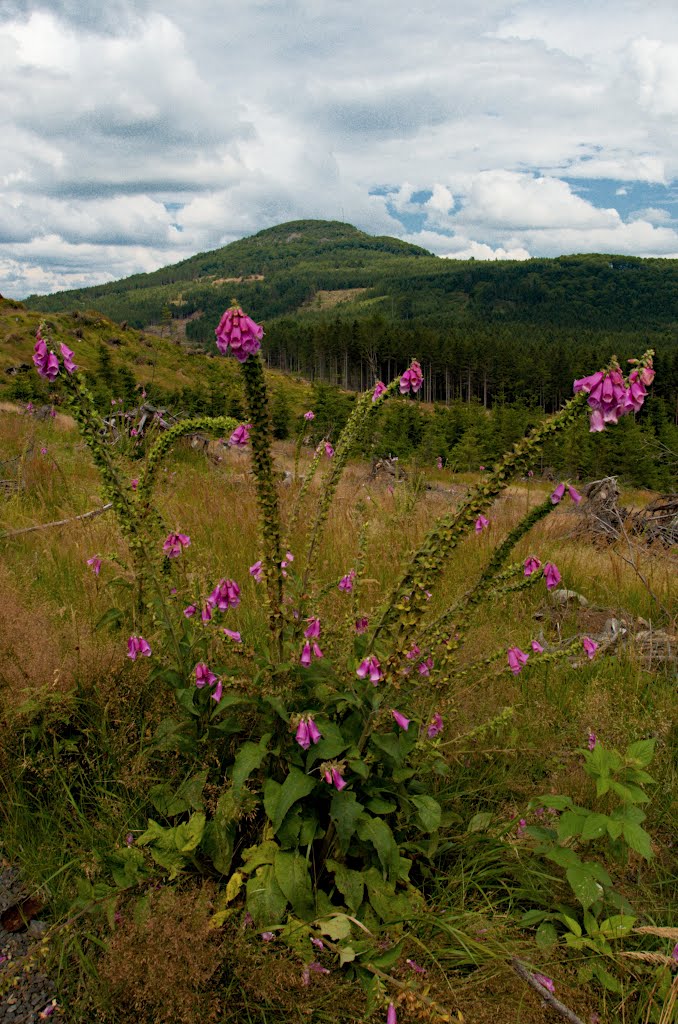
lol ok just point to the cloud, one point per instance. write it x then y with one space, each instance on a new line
136 133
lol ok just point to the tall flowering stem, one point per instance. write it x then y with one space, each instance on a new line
261 437
407 601
362 410
206 424
491 579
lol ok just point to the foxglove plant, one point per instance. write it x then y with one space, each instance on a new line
342 782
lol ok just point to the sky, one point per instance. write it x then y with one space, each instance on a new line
135 133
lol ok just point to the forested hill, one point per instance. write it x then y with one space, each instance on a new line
290 267
343 306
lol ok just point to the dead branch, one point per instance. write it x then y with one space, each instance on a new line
57 522
550 1000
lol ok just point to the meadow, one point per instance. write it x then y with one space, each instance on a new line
497 886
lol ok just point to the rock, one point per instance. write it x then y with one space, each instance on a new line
565 597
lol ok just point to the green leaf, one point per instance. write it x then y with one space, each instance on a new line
127 866
385 961
557 801
187 797
345 812
266 901
173 860
428 812
377 805
606 979
546 936
563 857
595 826
570 824
336 927
480 822
584 886
638 839
532 917
188 835
185 699
296 786
292 875
219 838
641 752
255 856
629 792
390 906
331 745
173 735
614 828
248 759
389 744
349 883
617 926
377 832
346 955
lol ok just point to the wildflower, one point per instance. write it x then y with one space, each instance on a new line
67 357
590 646
190 611
43 451
545 982
307 733
29 408
318 943
95 563
329 450
391 1015
134 484
313 629
414 966
305 659
129 839
247 920
379 389
346 582
558 494
521 826
361 625
289 557
439 462
175 543
318 968
136 645
240 332
370 667
333 776
530 472
206 613
574 494
413 652
591 741
537 647
551 575
305 977
241 436
310 415
48 1011
133 432
516 659
267 936
403 722
435 726
225 595
426 666
674 953
113 401
481 523
412 379
256 572
233 635
204 677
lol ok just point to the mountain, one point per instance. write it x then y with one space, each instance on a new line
308 267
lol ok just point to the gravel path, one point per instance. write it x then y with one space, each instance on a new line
27 1001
